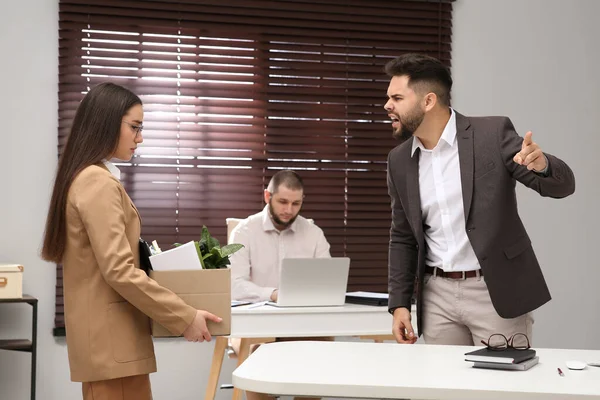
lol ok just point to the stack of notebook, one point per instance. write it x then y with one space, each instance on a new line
368 298
511 359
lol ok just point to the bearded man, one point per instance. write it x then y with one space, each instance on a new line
275 233
456 230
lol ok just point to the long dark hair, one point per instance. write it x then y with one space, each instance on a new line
94 136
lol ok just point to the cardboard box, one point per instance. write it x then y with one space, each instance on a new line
205 289
11 281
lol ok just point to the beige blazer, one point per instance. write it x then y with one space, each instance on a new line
108 299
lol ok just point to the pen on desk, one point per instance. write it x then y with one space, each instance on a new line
255 305
560 372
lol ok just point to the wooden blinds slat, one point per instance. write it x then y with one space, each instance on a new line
235 90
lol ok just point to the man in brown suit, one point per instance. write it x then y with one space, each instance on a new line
455 231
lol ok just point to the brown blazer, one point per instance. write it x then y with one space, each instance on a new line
108 299
486 147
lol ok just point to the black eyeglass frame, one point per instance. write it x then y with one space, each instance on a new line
508 342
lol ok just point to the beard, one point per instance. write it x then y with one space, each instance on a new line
409 123
278 221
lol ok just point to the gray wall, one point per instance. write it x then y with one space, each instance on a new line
536 62
528 59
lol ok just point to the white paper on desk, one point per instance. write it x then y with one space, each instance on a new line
184 257
368 295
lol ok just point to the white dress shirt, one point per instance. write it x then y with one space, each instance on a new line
112 168
255 268
448 246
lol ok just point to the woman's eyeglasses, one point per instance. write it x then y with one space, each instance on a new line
497 341
136 128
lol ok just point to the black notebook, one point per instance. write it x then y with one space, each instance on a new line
367 298
522 366
508 356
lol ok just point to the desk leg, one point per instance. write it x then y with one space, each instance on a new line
215 367
34 348
378 338
245 345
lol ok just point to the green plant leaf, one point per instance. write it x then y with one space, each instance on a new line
216 253
199 254
210 260
223 263
210 252
229 249
205 236
213 243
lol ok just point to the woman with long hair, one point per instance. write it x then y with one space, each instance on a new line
93 229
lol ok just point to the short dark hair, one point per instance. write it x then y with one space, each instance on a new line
286 177
424 72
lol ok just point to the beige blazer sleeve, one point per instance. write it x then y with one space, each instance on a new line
101 206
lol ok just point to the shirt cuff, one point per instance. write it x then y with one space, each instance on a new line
544 172
265 293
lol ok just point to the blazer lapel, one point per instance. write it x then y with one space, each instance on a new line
414 196
136 210
131 202
464 134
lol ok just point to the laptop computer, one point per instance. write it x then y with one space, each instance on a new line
312 282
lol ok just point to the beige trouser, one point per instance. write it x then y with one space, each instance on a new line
128 388
460 312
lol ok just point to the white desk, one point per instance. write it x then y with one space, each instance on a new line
264 324
389 370
346 320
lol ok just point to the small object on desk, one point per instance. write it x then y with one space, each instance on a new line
367 298
237 303
508 356
256 305
594 364
575 365
560 372
522 366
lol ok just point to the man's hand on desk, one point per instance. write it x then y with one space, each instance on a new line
198 331
274 295
402 328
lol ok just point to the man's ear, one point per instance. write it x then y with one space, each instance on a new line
267 196
430 100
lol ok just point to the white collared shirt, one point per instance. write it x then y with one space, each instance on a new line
448 246
255 268
112 168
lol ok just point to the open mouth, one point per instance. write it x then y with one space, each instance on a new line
395 120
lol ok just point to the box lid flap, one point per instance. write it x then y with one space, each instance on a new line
11 268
